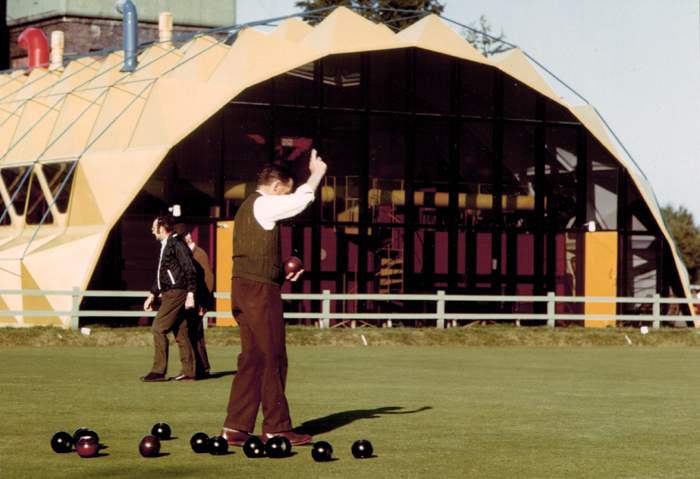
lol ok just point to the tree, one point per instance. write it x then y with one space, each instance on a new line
479 36
686 235
372 10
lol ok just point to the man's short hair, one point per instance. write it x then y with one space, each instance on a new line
166 221
274 172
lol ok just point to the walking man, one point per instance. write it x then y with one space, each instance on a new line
256 303
176 281
203 301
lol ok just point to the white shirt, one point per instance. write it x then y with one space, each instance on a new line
269 209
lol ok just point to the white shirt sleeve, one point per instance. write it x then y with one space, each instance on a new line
269 209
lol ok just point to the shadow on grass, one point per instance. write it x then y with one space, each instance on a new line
340 419
221 374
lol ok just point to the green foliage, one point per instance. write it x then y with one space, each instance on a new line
394 19
480 37
478 33
686 235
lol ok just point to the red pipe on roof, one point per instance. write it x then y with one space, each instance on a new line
34 41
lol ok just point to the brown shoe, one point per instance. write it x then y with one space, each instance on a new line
182 377
233 437
153 377
295 439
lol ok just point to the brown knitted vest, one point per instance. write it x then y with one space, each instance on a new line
257 253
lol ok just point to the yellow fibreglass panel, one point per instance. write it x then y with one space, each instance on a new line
257 56
175 108
8 125
10 83
116 178
38 85
601 275
84 209
116 121
64 261
431 33
4 306
107 75
32 133
516 64
36 303
588 115
344 31
72 128
293 30
200 60
76 73
155 62
224 263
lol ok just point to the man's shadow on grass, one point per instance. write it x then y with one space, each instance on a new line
221 374
340 419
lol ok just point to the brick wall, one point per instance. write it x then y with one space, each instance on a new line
84 35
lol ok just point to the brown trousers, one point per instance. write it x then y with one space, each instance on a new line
171 317
262 364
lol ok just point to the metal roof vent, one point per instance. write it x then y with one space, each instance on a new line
130 23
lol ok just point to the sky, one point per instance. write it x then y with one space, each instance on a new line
636 61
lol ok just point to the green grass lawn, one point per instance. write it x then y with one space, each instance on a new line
429 411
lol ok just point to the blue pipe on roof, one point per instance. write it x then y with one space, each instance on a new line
131 20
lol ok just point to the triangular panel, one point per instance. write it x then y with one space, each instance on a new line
431 33
200 61
129 171
33 131
72 128
293 30
257 56
344 31
516 64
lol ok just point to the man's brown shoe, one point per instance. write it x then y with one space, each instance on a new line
295 439
233 437
153 377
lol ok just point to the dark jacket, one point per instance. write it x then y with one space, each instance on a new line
176 268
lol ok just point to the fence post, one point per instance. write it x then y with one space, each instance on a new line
551 309
656 311
75 309
441 310
326 309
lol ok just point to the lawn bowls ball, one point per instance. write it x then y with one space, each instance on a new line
292 265
362 449
277 447
87 446
62 442
161 431
217 445
254 447
322 451
199 442
149 446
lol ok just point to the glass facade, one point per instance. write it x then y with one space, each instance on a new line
443 174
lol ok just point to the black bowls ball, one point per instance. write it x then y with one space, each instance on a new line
362 449
322 451
199 442
149 446
254 447
161 431
217 446
62 442
277 447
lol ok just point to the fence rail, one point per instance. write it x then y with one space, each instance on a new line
440 299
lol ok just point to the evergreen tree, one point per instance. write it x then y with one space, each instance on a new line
393 19
686 235
403 14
